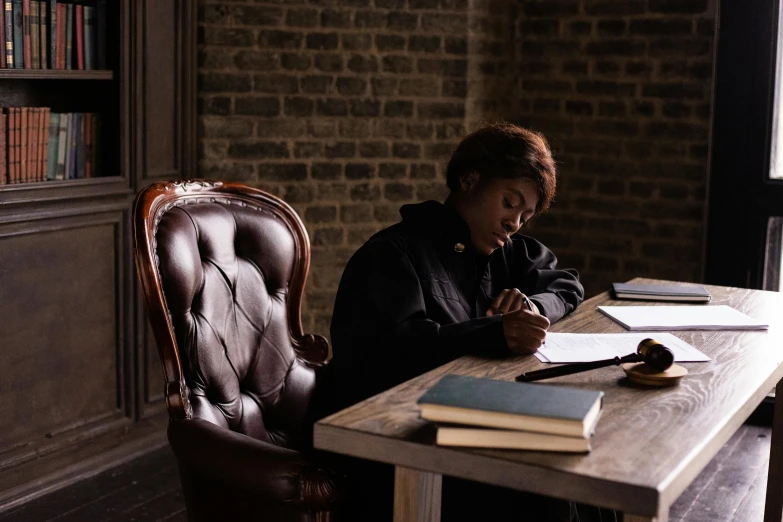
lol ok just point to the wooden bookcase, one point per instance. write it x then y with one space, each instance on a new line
80 383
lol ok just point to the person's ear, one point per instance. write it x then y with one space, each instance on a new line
468 180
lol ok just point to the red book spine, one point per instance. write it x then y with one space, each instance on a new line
28 55
79 26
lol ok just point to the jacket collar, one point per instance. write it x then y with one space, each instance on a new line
439 221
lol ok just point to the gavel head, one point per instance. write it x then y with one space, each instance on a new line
654 354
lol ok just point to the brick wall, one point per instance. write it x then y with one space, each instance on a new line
622 89
350 108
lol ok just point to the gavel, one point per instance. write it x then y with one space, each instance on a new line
649 351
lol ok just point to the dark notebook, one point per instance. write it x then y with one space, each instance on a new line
639 292
541 408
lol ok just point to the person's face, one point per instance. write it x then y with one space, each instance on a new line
495 208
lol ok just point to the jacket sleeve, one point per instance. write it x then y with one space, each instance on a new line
380 330
556 292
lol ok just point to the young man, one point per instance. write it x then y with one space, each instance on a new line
452 279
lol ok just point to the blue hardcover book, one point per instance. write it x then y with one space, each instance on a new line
18 35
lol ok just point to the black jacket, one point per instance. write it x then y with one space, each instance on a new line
412 298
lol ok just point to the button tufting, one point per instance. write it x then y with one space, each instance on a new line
459 247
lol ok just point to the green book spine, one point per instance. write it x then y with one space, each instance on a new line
62 145
54 138
89 38
18 35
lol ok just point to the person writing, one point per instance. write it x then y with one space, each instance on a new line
452 278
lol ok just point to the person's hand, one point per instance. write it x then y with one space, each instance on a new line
510 300
524 330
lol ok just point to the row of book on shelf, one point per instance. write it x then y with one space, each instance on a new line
52 35
488 413
39 145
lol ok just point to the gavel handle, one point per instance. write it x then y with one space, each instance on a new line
568 369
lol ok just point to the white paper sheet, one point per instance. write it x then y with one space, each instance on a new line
696 317
574 348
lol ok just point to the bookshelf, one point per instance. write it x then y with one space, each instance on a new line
38 74
82 387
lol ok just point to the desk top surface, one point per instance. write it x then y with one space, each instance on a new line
649 444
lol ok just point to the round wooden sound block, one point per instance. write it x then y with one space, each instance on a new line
643 374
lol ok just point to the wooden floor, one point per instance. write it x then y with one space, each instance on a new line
730 489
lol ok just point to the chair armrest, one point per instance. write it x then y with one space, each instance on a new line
278 473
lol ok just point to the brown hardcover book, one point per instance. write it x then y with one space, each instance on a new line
40 142
12 135
36 116
26 36
3 150
43 143
61 26
43 34
35 31
88 145
23 145
32 144
18 143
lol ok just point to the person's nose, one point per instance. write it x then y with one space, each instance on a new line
512 224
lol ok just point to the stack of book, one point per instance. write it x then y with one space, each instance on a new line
486 413
39 145
47 34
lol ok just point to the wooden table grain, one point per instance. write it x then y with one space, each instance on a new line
649 444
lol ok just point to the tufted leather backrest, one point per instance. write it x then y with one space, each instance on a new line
225 266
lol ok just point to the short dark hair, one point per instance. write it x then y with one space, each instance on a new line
506 150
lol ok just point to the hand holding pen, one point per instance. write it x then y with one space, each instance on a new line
510 300
523 327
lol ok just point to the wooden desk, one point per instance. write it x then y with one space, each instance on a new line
649 443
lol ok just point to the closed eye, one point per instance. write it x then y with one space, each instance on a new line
507 203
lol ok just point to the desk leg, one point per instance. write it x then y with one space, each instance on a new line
416 495
773 509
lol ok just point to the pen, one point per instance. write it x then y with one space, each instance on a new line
529 305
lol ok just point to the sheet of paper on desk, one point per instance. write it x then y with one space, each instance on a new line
576 348
667 318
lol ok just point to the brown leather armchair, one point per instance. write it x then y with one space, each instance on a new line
223 268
